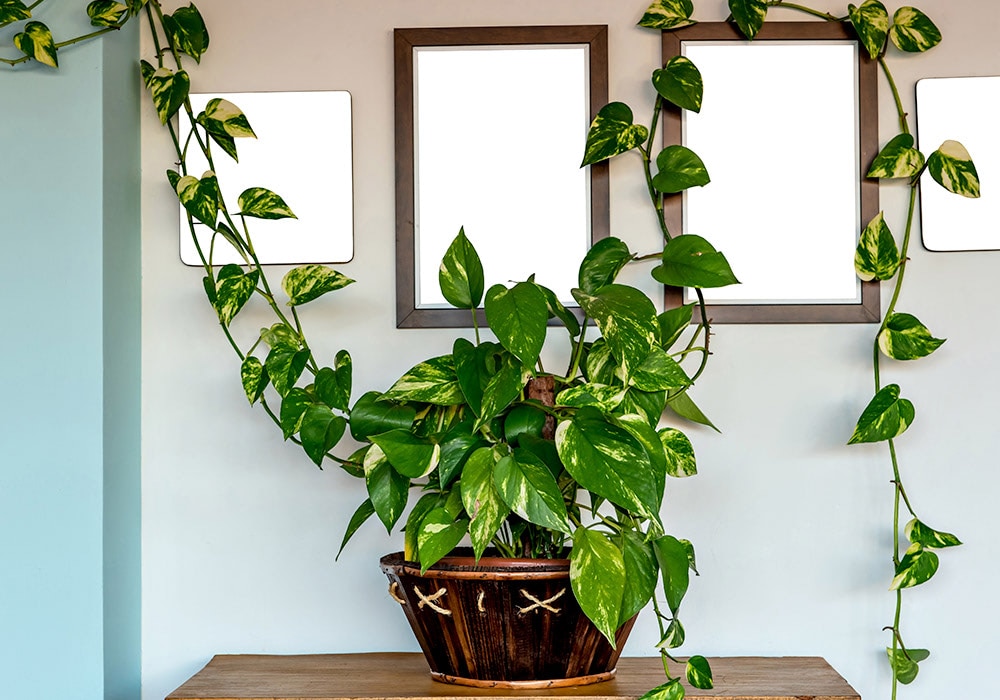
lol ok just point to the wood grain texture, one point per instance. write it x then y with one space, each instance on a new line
404 676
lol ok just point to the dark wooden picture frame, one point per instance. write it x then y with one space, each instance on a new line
865 311
405 40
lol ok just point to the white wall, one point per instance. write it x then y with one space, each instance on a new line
791 526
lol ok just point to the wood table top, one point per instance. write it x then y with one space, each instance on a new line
405 676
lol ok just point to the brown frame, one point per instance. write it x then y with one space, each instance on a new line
868 310
596 36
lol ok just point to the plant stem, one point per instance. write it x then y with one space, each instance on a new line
904 127
808 10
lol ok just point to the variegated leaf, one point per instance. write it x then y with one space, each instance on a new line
519 317
680 82
36 41
871 22
885 417
691 261
906 338
659 371
671 690
460 275
612 133
13 11
876 257
918 533
387 488
698 672
905 662
285 366
749 15
673 637
917 566
294 405
913 31
106 13
280 335
679 168
200 197
427 503
432 381
558 310
951 167
597 577
333 384
168 90
410 455
679 452
640 574
502 388
307 282
481 499
262 203
898 159
627 319
668 14
527 486
602 263
233 290
187 31
439 533
223 117
602 396
674 570
645 434
254 378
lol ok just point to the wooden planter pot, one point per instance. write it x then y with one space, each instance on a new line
506 623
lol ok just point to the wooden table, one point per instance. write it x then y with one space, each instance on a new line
404 676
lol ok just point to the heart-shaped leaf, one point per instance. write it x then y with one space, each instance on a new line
885 417
871 22
187 32
876 257
13 11
691 261
613 132
682 404
640 574
200 197
921 534
602 263
285 367
627 319
671 690
320 432
432 381
36 41
439 533
905 662
456 446
673 322
673 637
597 577
461 274
333 384
307 282
749 15
659 371
668 14
906 338
604 397
698 672
680 82
519 317
481 499
262 203
372 417
410 455
951 167
502 388
527 486
674 569
167 89
913 31
387 488
679 168
233 290
679 452
294 405
558 310
223 117
898 159
254 378
106 13
917 566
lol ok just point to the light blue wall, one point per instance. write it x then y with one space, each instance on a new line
69 437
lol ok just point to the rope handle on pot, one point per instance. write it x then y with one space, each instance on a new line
537 604
429 601
394 592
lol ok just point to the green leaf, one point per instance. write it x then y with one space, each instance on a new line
679 452
474 365
917 566
173 177
523 420
187 30
749 15
627 319
372 417
294 405
673 323
680 82
951 167
876 257
612 133
640 574
871 22
427 503
600 364
36 41
602 263
361 515
527 486
13 11
456 446
674 571
200 197
461 274
519 317
411 456
281 336
235 241
168 91
659 371
897 159
885 417
481 499
608 460
233 290
134 6
668 14
262 203
671 690
597 576
906 338
913 31
679 168
685 407
605 397
432 381
557 310
699 673
502 388
307 282
904 663
691 261
439 533
285 367
103 13
254 378
224 118
320 432
921 534
387 488
673 637
637 426
333 385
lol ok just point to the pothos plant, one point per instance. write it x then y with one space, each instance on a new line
900 336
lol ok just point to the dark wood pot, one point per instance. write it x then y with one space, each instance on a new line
504 623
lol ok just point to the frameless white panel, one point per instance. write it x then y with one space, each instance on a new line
778 132
963 110
510 120
303 152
